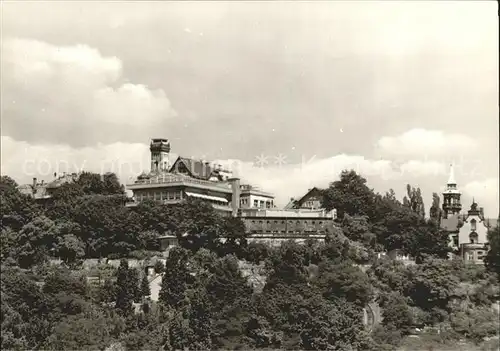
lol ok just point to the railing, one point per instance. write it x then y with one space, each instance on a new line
165 179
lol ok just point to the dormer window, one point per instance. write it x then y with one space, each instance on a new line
473 225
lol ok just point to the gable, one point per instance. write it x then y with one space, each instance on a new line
312 195
193 168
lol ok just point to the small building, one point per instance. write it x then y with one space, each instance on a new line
473 236
253 197
312 200
42 191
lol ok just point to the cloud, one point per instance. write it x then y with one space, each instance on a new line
292 180
24 161
423 143
486 193
74 95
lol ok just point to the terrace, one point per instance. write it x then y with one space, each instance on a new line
177 179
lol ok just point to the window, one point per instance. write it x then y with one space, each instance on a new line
473 238
256 203
177 195
473 225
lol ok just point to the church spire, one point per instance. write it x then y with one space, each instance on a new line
451 179
451 196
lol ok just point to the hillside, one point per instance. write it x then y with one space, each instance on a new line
234 294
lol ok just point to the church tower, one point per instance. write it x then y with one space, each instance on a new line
451 196
160 149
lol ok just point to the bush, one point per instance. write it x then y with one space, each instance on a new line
159 267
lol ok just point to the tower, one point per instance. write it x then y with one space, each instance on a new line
160 149
451 196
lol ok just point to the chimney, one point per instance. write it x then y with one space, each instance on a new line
235 199
34 182
481 211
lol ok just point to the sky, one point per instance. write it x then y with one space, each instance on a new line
286 94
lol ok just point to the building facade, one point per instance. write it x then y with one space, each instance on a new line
468 232
185 178
42 191
312 200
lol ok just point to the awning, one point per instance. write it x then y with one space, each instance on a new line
207 197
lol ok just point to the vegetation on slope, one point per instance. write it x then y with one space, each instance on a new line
312 298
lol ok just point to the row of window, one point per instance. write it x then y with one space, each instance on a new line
257 203
289 232
290 222
159 195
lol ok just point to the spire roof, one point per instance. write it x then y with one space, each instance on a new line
451 179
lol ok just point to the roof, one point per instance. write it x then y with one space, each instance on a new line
307 195
196 168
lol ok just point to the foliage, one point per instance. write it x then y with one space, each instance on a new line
313 296
175 279
145 289
349 195
492 259
126 288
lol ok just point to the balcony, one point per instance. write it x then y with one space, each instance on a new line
176 180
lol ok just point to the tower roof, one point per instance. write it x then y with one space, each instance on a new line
451 179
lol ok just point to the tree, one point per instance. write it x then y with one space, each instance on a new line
70 248
435 211
35 241
7 182
200 320
492 259
432 286
145 289
414 200
175 279
344 281
16 209
331 325
358 229
91 331
200 226
91 183
126 290
476 323
396 312
349 195
111 185
233 230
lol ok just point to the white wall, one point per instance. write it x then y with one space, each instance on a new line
466 229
